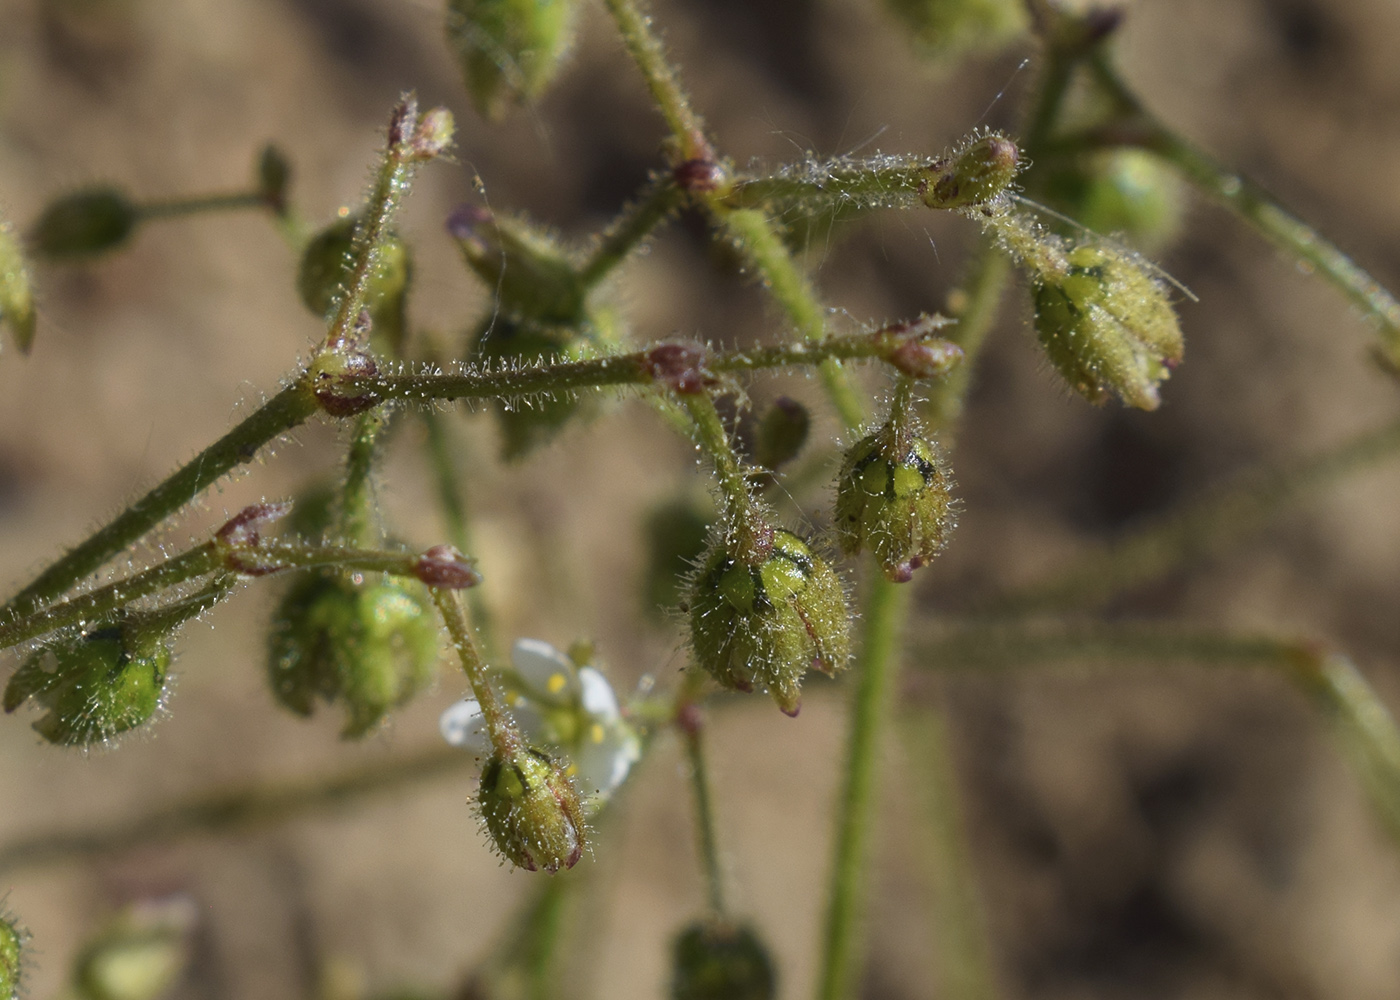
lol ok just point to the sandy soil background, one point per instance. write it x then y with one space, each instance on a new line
1137 834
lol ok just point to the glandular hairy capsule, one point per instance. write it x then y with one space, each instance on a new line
532 810
764 625
720 960
1107 325
140 954
94 687
509 50
900 508
84 224
975 174
16 293
325 268
369 645
11 951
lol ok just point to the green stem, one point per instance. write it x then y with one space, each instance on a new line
357 518
1196 530
873 184
661 80
233 810
500 727
753 232
288 409
745 521
451 500
964 954
176 207
693 736
1260 209
636 223
1359 719
984 290
885 608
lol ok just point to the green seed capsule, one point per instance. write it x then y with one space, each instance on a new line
509 50
532 810
370 646
94 687
16 293
325 267
1127 192
11 948
84 224
718 960
1107 326
764 625
901 509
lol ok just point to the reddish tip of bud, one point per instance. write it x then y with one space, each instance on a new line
791 710
403 121
913 348
699 176
444 566
680 366
242 530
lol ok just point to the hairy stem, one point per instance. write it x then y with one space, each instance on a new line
692 729
500 727
636 223
649 54
357 498
177 207
745 521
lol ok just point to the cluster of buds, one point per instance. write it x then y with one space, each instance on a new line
763 619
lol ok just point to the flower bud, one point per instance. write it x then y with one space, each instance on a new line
1106 324
949 29
524 266
782 432
84 224
973 175
900 508
509 50
325 267
764 625
140 955
94 687
1130 192
369 645
532 810
16 294
11 946
718 960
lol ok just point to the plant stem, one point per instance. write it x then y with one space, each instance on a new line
873 184
288 409
692 727
500 727
745 521
1359 719
885 608
233 810
637 222
357 496
1197 529
650 56
984 290
176 207
1257 207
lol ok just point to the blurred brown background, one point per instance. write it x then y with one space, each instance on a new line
1140 834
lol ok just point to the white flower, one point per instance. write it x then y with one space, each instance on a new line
570 708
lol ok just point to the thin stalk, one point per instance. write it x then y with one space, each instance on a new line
661 80
233 810
885 609
1260 209
176 207
1197 529
500 727
692 729
451 493
744 517
1359 720
357 496
753 232
288 409
637 222
964 960
984 290
873 184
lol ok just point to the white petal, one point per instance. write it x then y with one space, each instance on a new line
603 758
597 696
548 673
463 725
